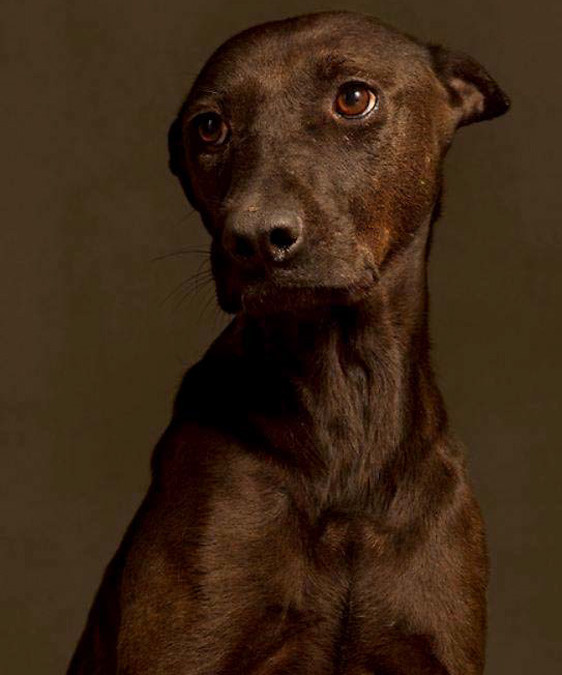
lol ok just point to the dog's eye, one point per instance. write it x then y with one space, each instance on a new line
211 128
355 99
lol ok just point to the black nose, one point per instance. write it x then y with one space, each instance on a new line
253 237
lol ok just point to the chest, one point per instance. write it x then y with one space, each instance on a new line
247 572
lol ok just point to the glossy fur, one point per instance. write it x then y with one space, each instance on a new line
309 511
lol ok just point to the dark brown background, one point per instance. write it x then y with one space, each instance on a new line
91 355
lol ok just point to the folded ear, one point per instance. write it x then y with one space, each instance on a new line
474 95
176 158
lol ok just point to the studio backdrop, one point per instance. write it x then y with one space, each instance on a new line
99 326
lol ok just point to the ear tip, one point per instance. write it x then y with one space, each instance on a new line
454 64
499 104
506 101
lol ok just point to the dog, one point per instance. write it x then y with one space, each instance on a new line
309 511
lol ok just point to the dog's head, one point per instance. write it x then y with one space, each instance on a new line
312 148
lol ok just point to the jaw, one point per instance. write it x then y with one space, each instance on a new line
268 298
285 292
310 283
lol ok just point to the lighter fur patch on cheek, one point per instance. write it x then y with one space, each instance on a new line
375 225
380 238
384 242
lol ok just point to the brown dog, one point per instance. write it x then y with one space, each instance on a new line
309 512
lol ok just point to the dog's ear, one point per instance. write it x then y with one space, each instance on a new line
176 159
474 95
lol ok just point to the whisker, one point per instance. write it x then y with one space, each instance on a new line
187 284
199 285
180 252
206 306
184 217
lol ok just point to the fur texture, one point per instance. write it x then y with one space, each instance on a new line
309 511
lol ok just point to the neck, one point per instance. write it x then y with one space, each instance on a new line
348 394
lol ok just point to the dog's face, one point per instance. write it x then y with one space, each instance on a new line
312 148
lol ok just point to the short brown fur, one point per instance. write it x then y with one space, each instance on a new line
309 511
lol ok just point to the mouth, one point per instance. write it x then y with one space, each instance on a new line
273 296
313 284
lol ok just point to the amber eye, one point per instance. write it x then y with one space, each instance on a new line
211 128
355 99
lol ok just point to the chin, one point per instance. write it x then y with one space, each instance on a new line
268 297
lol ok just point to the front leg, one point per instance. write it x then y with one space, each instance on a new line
435 600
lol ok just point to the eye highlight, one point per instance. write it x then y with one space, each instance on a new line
210 128
354 100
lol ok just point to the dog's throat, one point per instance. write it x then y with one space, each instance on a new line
339 394
343 396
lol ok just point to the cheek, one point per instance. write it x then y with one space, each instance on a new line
405 187
372 222
418 160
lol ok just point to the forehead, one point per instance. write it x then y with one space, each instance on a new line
318 47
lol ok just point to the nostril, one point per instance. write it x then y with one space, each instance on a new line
243 247
282 238
271 238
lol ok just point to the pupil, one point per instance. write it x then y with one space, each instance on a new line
210 126
353 96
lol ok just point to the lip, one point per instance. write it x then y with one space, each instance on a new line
268 296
